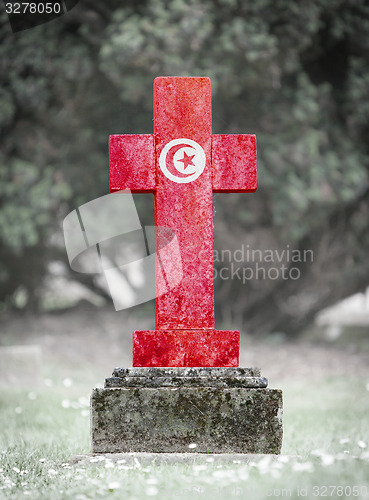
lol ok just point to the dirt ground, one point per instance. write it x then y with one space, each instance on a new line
88 342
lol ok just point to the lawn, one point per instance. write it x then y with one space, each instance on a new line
325 451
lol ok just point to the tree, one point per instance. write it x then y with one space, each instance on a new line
296 75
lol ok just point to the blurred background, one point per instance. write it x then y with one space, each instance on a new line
296 74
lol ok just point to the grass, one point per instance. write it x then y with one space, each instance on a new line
325 451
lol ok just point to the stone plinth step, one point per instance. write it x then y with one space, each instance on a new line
194 406
186 377
202 371
251 382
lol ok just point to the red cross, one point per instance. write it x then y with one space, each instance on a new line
183 175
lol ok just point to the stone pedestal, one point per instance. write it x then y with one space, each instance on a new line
170 410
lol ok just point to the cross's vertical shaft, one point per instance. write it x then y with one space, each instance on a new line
182 110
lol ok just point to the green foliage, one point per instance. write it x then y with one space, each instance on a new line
31 198
294 73
260 58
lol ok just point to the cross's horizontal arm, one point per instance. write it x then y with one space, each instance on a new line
132 163
234 163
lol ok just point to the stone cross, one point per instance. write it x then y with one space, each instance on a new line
183 164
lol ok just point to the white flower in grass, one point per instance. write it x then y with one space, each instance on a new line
121 461
192 446
277 465
67 382
15 469
8 483
303 467
227 474
124 467
94 459
114 485
85 413
344 440
243 474
152 491
18 410
275 473
52 472
109 465
341 456
65 403
327 460
361 444
318 453
84 402
199 467
264 464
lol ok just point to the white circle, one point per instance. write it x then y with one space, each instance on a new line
192 149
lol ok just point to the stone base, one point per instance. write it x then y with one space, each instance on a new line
186 348
182 410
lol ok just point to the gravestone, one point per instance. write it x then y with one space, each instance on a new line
185 391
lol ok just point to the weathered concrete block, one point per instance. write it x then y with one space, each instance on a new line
127 416
186 376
